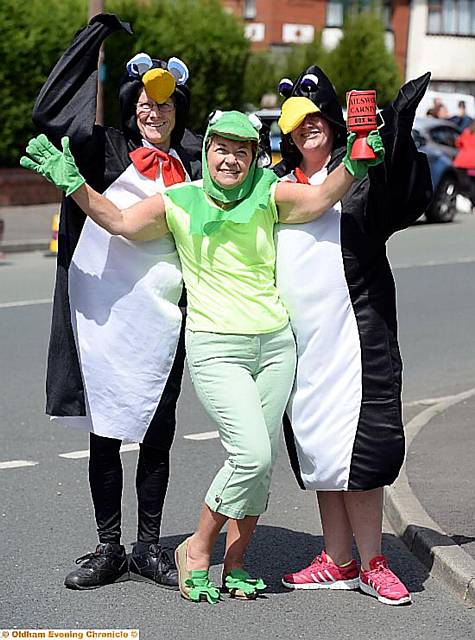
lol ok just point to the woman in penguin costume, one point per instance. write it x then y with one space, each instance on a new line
343 425
116 348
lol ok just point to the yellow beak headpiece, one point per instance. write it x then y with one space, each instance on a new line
159 84
294 112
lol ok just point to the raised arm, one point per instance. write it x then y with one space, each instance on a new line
143 221
66 104
299 203
400 189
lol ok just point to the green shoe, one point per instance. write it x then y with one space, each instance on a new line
194 585
200 587
239 584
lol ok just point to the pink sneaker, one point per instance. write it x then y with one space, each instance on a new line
382 583
323 574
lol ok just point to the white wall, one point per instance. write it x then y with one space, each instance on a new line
331 36
447 57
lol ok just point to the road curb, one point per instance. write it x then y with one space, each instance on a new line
24 246
447 562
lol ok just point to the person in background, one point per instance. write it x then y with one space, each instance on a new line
343 424
438 110
238 338
462 119
100 283
464 161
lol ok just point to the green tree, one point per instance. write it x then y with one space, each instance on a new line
33 34
263 72
302 56
361 60
210 41
265 69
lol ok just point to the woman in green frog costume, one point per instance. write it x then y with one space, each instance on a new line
240 348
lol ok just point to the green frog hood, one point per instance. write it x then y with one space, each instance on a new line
243 200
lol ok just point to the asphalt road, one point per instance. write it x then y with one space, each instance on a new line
45 511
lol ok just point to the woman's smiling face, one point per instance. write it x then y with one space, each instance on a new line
229 160
314 133
155 121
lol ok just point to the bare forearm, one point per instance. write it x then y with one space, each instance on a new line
143 221
101 210
333 189
299 203
326 195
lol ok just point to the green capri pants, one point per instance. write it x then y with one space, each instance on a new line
244 383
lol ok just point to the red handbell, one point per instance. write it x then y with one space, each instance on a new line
361 119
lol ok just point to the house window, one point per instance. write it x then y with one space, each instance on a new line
249 9
337 10
451 17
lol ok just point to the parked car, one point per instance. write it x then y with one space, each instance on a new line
439 134
449 100
270 134
434 137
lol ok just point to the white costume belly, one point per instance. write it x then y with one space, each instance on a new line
126 320
325 403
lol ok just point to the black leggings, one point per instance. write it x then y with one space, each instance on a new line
106 481
153 468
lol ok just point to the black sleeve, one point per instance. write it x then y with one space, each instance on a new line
400 189
66 104
190 151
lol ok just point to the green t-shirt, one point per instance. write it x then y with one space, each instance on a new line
229 274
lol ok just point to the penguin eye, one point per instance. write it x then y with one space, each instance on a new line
255 121
138 65
214 116
309 83
179 70
285 87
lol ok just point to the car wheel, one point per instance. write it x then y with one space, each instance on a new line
444 205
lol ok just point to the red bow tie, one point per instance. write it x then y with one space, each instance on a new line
301 177
147 162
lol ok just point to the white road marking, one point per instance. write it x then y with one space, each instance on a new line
427 401
76 455
129 447
434 263
210 435
84 453
24 303
15 464
205 435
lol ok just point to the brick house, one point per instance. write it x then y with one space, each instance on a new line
435 35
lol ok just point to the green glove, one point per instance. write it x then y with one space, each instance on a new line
59 168
359 168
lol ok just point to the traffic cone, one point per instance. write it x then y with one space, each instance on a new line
53 245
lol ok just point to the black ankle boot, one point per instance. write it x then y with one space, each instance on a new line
107 564
153 564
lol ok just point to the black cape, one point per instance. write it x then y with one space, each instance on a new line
66 106
392 197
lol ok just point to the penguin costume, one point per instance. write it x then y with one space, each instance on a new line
114 340
116 350
343 426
